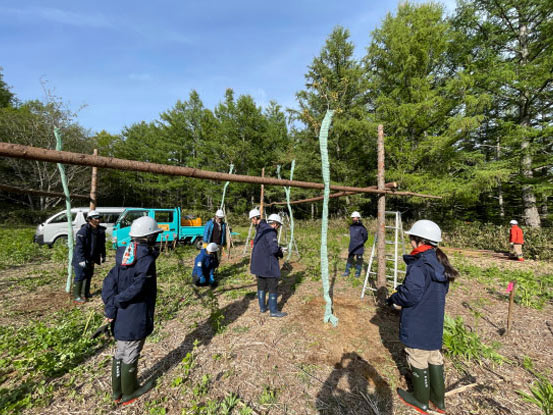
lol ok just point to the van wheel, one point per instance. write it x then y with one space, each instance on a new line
199 243
60 240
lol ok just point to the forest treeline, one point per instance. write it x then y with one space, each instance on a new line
465 100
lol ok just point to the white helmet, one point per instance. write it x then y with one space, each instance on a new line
274 217
513 222
426 229
355 214
94 214
220 213
212 247
144 226
254 213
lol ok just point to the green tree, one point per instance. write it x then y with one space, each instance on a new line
6 96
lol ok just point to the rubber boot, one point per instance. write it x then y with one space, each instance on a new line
348 266
358 268
261 297
86 294
77 287
273 306
116 380
129 383
418 399
437 387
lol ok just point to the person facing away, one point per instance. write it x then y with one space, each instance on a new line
421 297
129 293
264 264
90 249
516 239
357 238
205 264
215 230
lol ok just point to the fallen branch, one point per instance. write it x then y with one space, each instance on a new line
461 389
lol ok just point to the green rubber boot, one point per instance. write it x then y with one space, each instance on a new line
116 380
77 287
129 383
437 387
418 399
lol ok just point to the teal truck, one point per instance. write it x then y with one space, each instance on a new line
177 228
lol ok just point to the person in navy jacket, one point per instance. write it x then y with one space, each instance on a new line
357 238
421 298
215 231
129 294
205 264
264 264
90 249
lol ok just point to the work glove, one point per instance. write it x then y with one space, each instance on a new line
204 245
82 264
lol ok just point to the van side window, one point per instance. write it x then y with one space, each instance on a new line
62 217
164 216
109 217
131 216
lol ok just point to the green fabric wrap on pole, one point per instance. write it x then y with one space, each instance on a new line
225 188
61 168
287 191
323 143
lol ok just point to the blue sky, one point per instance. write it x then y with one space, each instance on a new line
128 61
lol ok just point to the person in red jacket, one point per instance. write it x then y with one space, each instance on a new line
516 239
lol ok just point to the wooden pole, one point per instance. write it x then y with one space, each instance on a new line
511 302
261 196
93 183
382 291
80 159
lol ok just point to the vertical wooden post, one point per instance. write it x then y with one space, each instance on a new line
511 302
382 291
93 184
261 197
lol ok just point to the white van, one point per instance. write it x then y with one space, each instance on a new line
54 229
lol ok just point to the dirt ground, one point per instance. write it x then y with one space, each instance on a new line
306 365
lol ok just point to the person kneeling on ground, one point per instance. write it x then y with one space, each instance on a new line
129 294
422 301
265 255
205 264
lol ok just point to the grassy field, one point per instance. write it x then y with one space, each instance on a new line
212 352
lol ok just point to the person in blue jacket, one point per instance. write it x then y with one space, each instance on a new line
421 298
264 264
357 238
205 264
90 249
215 231
129 294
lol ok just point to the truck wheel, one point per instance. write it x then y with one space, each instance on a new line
199 243
60 240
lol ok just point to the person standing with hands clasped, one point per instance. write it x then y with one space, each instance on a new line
516 239
422 301
90 249
129 293
357 238
264 265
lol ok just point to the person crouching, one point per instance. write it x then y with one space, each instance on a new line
129 294
205 264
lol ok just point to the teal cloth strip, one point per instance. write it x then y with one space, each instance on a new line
61 168
287 191
323 143
225 187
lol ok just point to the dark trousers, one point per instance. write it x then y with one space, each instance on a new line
267 284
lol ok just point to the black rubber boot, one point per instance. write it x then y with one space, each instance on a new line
437 387
129 383
116 380
77 287
273 306
261 297
86 292
418 399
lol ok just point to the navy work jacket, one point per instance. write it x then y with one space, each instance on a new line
208 231
129 294
90 246
357 238
422 298
266 252
204 266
